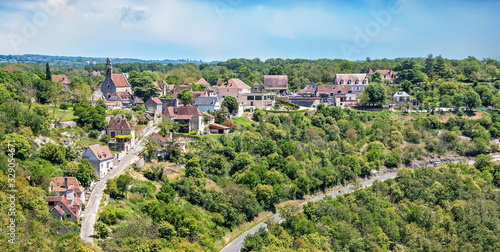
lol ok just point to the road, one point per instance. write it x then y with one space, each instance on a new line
237 243
92 206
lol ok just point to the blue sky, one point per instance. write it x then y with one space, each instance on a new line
222 29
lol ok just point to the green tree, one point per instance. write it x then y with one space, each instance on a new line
258 115
53 153
84 173
48 74
122 184
166 193
406 85
472 99
376 93
276 70
193 168
19 144
230 103
185 96
377 77
101 230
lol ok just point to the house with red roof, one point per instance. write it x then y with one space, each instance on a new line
189 117
120 127
69 199
202 81
154 106
357 82
336 95
63 80
388 76
101 159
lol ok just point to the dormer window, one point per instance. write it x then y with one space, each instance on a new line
357 81
57 183
349 82
364 82
342 82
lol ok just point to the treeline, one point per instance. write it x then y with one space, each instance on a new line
452 208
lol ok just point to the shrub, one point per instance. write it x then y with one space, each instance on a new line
94 134
105 138
63 106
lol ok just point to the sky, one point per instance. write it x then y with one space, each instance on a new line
212 30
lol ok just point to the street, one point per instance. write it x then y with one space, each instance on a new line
92 206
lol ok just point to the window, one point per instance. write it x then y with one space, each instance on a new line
349 82
58 184
364 82
357 81
331 94
342 82
258 98
250 98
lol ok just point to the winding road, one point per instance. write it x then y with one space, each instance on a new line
92 206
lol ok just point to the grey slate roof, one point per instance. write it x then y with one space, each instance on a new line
205 101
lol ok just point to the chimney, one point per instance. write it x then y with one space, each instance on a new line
66 182
70 196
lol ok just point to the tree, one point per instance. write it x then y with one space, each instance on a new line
377 77
406 85
93 116
166 193
472 99
230 103
185 96
376 93
101 230
85 173
440 68
429 65
143 85
48 74
193 168
122 184
276 70
258 115
19 143
53 153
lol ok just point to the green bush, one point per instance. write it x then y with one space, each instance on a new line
63 106
94 133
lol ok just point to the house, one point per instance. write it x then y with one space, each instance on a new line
180 88
401 96
265 101
197 94
216 128
388 76
234 87
211 91
101 159
161 140
357 82
169 102
162 87
189 117
63 80
68 202
308 91
257 88
336 95
114 82
202 81
125 98
120 127
96 73
110 105
154 106
276 83
207 103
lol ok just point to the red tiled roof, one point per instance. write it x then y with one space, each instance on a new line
169 112
275 81
218 126
101 152
117 124
182 117
325 88
60 78
59 210
123 96
160 137
157 100
235 83
202 81
120 80
72 183
182 87
197 94
53 198
148 117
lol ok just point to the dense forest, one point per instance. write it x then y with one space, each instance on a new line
269 158
450 208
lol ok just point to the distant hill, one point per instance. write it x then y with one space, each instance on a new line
82 61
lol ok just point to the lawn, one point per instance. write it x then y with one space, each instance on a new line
63 115
242 121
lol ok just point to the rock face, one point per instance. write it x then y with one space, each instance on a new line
68 141
41 140
67 124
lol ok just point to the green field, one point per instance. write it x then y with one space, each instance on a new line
242 121
62 115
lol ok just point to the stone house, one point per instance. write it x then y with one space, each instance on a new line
69 199
357 82
207 103
101 159
276 83
63 80
234 87
114 82
154 106
190 118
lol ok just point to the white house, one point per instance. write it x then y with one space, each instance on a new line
100 157
401 96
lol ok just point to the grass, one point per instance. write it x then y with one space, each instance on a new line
286 112
63 115
86 142
242 121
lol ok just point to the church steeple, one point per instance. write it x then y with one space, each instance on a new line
109 68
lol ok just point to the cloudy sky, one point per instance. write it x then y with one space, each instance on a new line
222 29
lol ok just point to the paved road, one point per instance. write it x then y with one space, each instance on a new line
92 206
237 243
